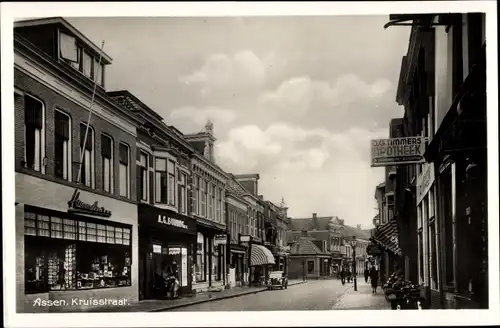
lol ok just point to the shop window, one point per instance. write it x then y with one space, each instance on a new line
200 258
216 254
62 146
161 180
142 172
447 210
182 192
421 256
433 255
107 162
124 170
70 258
171 183
33 138
310 266
87 150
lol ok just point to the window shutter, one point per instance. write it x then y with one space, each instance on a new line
61 125
123 154
88 144
106 149
33 112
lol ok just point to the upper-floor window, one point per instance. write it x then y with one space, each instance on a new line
142 172
161 180
33 137
107 162
218 214
124 170
196 194
165 181
87 170
171 182
80 59
62 145
203 198
210 202
182 192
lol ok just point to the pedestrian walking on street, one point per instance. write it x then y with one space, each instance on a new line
374 279
367 275
342 276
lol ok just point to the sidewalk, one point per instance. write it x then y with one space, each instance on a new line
363 299
165 305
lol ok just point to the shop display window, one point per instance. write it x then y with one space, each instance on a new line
200 258
68 254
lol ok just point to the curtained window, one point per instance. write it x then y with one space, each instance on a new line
87 169
107 162
124 170
33 126
142 172
161 178
62 149
171 182
182 192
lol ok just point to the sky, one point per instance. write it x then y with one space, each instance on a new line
294 99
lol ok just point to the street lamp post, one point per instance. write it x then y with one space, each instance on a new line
353 244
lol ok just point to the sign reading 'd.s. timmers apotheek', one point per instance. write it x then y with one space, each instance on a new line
77 206
396 151
171 221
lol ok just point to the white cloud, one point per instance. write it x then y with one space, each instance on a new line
242 69
330 175
189 119
301 96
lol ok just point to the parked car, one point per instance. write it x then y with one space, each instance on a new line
277 279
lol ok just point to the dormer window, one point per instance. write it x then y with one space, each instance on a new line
68 47
74 54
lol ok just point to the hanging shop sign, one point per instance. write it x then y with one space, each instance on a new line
245 239
75 205
424 181
220 240
397 151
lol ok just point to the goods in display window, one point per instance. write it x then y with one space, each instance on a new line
68 254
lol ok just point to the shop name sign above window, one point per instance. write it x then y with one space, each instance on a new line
76 205
172 222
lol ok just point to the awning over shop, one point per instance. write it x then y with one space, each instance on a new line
387 237
261 256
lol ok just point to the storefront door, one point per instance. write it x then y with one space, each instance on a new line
166 261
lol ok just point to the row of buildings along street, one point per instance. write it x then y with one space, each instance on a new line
437 204
146 199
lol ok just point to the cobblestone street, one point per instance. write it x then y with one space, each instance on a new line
312 295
